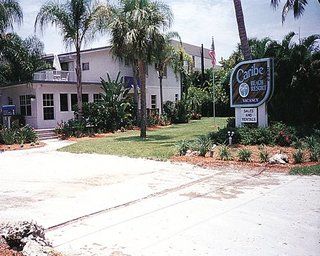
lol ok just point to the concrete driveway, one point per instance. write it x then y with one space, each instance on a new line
107 205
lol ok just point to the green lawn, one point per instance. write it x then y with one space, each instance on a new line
160 144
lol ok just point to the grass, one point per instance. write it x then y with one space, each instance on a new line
306 170
160 143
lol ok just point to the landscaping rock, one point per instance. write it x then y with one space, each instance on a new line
192 153
24 238
279 159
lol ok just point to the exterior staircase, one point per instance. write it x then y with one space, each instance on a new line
46 134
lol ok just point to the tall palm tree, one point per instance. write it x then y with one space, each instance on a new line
136 28
164 57
78 21
242 30
298 7
10 13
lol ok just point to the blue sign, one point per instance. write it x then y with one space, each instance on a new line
8 110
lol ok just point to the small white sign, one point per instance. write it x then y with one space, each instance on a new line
249 115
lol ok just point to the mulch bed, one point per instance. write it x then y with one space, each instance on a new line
6 251
215 162
18 147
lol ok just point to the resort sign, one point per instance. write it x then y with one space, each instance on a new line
251 83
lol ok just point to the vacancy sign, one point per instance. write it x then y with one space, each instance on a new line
249 115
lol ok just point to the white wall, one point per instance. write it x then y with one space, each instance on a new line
14 92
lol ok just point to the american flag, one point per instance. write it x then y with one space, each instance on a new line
212 54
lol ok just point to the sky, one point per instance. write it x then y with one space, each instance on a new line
197 21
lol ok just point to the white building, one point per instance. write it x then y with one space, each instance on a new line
47 100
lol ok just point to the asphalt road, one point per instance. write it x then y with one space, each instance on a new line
107 205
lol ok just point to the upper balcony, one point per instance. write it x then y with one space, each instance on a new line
55 76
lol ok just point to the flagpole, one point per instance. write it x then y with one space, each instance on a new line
214 98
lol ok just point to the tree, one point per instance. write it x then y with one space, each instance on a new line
20 58
78 21
164 57
136 27
298 7
242 30
10 13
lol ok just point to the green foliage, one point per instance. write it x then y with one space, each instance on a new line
313 145
203 144
263 154
244 155
72 128
18 135
305 170
20 58
155 119
183 146
195 98
298 156
224 153
8 136
176 112
114 111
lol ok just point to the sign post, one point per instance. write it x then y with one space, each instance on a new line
7 112
251 87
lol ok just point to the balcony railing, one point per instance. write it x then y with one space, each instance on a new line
54 75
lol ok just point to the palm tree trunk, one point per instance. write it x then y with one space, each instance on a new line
161 95
242 30
143 121
135 90
79 85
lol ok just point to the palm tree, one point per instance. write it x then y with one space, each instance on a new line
164 57
298 7
136 28
78 21
242 30
10 13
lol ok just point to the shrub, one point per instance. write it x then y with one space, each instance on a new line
244 155
176 112
305 170
224 153
298 156
29 134
283 135
8 136
72 127
263 154
221 136
154 119
203 144
313 145
183 147
231 122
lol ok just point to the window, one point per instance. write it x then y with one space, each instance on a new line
25 105
85 98
153 101
97 97
74 100
48 107
64 102
176 97
10 101
85 66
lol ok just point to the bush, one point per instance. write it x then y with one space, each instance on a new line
22 135
176 113
306 170
8 136
154 119
313 145
298 156
224 153
203 145
263 154
244 155
221 136
72 127
183 147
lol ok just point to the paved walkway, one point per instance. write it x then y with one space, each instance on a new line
107 205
